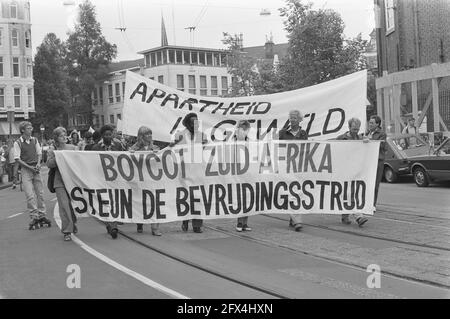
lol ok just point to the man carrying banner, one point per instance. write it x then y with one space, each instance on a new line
191 135
107 143
377 133
294 132
354 125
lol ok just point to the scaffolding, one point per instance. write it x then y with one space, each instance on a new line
422 93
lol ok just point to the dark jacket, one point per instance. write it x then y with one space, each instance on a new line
379 135
285 134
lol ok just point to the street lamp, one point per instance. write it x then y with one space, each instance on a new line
10 113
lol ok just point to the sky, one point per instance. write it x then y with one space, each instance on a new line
142 20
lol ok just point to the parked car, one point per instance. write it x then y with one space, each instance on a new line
432 166
397 161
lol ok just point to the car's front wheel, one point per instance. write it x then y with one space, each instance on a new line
389 175
420 177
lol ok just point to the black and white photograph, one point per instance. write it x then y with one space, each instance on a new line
224 156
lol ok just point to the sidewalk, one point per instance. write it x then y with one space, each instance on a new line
5 185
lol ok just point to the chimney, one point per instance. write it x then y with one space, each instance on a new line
268 48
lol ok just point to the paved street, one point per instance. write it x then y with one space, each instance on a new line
408 238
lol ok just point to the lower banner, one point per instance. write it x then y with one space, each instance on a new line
222 180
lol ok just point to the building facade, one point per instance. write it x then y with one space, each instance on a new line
412 35
16 66
198 71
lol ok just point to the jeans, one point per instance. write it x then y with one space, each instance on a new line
34 192
66 213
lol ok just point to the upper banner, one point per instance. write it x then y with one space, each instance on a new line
326 108
222 180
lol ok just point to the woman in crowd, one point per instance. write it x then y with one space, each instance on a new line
191 135
145 143
241 134
68 218
75 139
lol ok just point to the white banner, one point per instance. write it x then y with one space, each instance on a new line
222 180
326 108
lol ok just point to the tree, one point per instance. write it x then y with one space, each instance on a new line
52 96
317 49
88 55
241 67
251 76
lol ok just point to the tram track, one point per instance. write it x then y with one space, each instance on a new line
204 269
330 259
349 232
278 246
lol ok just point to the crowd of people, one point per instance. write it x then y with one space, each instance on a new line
27 154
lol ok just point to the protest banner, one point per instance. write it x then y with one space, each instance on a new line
222 180
326 108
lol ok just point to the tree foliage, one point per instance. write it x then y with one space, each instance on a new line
52 96
241 67
317 50
87 58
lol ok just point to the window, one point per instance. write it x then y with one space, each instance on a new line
203 90
30 97
164 54
202 58
147 59
110 94
194 57
97 119
179 55
27 39
180 82
111 119
214 85
192 88
117 92
187 57
224 85
1 37
123 90
94 97
15 66
209 59
223 60
16 97
100 95
159 58
161 79
1 66
2 97
216 59
153 59
103 120
152 78
119 116
15 38
13 11
389 11
29 68
27 12
171 56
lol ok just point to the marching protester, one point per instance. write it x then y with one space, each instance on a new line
28 153
145 143
75 139
354 125
376 133
66 213
241 134
191 135
294 132
107 143
87 140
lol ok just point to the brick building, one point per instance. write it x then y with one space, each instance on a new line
412 34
